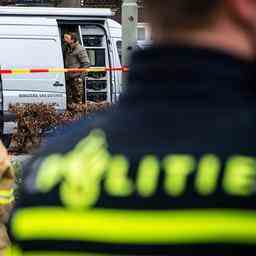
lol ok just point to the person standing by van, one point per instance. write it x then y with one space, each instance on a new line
75 57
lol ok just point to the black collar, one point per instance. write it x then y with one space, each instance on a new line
185 72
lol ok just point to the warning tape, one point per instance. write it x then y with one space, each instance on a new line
61 70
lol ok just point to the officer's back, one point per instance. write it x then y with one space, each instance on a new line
171 169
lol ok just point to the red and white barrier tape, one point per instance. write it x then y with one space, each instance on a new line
61 70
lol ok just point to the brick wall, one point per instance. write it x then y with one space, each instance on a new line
7 2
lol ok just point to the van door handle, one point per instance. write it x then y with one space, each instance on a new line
58 84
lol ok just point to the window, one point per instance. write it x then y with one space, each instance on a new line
141 33
119 49
97 57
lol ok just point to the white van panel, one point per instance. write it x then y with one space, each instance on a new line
13 97
115 31
31 53
115 28
31 46
19 20
27 30
52 11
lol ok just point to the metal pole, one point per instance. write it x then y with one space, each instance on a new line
129 32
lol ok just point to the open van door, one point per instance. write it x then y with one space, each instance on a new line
95 39
31 43
115 43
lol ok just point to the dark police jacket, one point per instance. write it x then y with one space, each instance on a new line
170 170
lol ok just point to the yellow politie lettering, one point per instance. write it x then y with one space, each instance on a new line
207 176
49 173
79 172
177 168
148 174
117 182
84 169
240 174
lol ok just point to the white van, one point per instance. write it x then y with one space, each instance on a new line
31 37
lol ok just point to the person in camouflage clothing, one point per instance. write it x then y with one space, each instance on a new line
75 57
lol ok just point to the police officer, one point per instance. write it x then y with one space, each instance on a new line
171 169
75 57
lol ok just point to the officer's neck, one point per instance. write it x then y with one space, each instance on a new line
225 36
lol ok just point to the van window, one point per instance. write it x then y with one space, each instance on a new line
97 57
141 33
93 40
119 49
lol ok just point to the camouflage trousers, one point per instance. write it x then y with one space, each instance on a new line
75 90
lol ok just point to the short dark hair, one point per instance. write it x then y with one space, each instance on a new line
175 14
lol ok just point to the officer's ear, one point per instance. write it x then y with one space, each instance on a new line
244 11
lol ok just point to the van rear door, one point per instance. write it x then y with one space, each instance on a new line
31 43
115 32
95 40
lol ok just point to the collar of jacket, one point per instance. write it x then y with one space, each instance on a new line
71 48
181 72
74 45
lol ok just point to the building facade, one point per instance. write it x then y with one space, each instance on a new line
115 5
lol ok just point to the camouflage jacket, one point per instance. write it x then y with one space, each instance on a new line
76 57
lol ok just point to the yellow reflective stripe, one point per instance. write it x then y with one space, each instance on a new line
4 201
6 193
146 227
6 196
20 71
57 70
97 69
14 251
45 253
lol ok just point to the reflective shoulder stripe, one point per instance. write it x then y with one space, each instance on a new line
5 201
13 251
6 196
7 193
60 253
136 227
